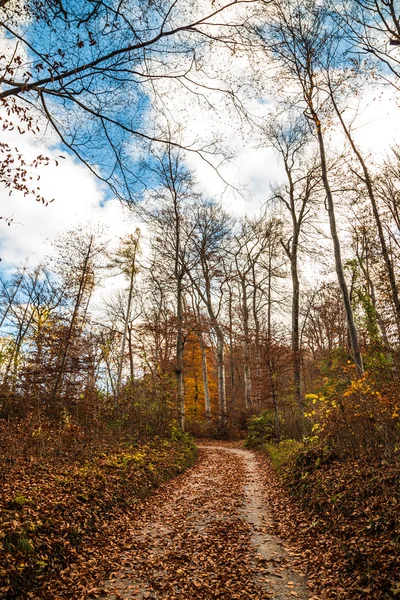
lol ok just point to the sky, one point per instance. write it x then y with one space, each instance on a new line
79 198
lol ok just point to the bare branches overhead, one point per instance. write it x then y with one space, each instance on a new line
95 69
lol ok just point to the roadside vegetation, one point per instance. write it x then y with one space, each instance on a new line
336 490
60 511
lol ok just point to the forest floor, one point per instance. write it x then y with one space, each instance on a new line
64 512
205 535
227 528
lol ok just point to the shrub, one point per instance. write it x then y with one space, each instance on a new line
355 414
281 453
261 429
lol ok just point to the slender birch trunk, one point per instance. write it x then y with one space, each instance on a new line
204 370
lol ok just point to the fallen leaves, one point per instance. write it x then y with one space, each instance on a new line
59 520
343 518
193 540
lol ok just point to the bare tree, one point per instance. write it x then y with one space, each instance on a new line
367 255
301 37
372 29
78 253
211 229
125 260
291 140
92 69
334 84
170 198
253 267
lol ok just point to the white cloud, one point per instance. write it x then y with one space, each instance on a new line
378 124
78 198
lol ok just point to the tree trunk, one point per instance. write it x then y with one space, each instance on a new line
257 345
207 401
381 235
222 421
295 325
126 326
246 348
130 349
337 250
180 343
270 362
231 362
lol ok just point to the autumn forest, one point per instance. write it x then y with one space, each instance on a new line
205 404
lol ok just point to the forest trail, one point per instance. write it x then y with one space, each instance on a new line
207 535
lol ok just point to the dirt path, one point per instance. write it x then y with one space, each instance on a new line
207 535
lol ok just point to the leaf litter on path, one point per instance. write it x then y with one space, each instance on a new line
205 536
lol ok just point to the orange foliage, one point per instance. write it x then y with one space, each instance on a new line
194 386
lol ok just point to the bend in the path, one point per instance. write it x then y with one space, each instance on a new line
204 536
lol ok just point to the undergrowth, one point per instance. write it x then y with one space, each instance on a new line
281 453
344 518
52 509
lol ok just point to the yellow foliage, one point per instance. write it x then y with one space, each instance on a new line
355 408
194 385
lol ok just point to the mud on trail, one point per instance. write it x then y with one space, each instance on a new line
207 535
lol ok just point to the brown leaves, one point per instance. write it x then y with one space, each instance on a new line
192 540
345 524
60 519
15 173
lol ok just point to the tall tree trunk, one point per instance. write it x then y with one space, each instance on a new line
130 349
257 344
246 347
180 343
295 325
297 46
336 246
371 195
207 298
207 401
270 363
222 420
231 362
126 326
